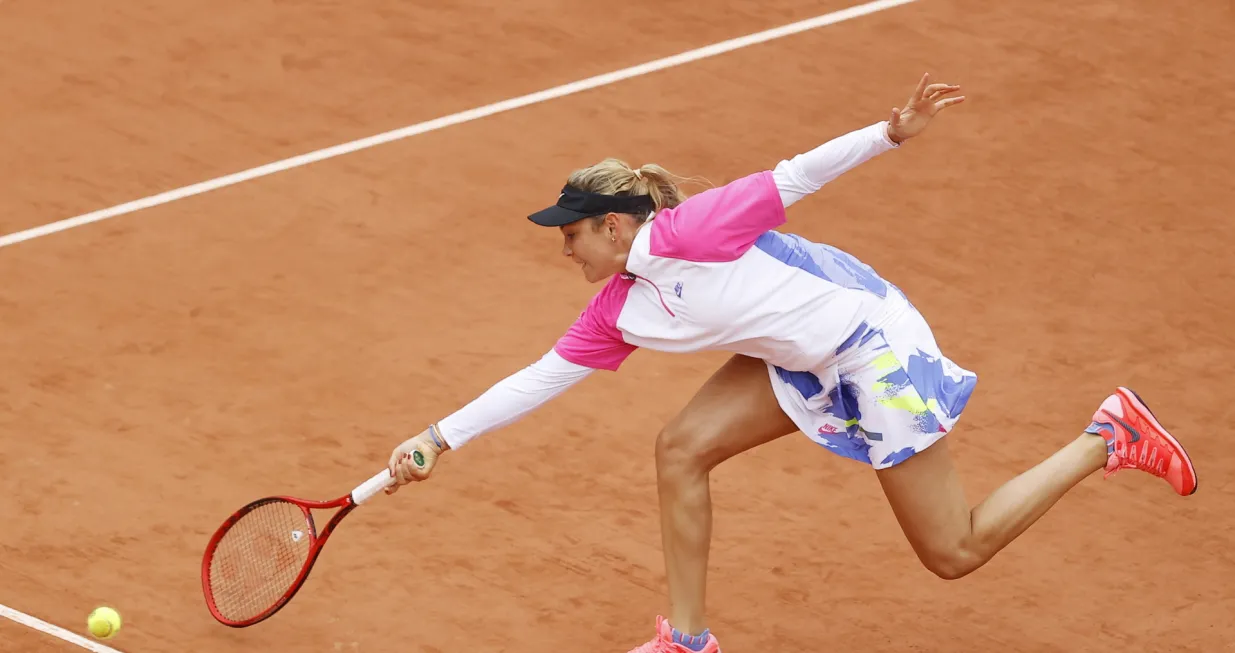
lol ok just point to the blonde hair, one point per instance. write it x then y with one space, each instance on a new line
615 177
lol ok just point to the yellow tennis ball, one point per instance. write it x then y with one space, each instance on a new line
103 622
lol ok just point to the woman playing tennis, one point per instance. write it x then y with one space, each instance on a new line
822 345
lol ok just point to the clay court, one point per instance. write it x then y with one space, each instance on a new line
1066 230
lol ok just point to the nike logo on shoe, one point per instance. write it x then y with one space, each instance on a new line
1136 435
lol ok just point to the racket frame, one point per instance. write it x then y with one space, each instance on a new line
317 540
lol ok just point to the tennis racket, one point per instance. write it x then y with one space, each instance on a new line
263 553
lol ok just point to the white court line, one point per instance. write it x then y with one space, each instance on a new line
55 631
397 134
455 119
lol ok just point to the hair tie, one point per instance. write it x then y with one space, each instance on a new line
638 174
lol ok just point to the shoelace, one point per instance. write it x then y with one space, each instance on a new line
1148 460
657 645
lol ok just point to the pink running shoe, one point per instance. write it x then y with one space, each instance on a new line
1135 440
663 643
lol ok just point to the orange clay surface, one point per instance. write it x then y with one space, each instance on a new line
1066 230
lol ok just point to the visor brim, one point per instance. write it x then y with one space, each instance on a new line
556 216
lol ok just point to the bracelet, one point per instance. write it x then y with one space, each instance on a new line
437 440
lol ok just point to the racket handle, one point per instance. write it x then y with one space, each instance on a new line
371 487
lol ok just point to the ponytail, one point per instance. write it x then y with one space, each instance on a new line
615 177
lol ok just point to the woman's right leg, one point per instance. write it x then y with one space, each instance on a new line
734 411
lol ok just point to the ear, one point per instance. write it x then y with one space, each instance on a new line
612 221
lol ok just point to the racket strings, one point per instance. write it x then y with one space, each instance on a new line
258 559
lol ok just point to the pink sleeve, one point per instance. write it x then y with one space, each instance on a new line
719 224
594 340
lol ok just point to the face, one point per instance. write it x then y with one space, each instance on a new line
599 247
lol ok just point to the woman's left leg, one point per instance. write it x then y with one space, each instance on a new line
952 540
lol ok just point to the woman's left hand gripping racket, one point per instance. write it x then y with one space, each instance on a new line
261 555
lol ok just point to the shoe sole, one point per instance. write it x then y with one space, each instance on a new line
1143 407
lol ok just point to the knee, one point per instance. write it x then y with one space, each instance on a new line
950 562
686 448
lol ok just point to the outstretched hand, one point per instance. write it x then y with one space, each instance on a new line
414 459
927 100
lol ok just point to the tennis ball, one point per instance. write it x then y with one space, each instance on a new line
104 622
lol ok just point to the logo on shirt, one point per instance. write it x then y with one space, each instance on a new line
677 289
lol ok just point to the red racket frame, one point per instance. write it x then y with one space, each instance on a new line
347 503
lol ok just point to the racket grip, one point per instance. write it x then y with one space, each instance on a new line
371 487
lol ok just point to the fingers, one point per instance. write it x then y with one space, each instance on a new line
920 90
943 104
937 91
411 461
407 470
416 463
410 465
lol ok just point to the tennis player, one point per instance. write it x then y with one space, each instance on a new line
822 345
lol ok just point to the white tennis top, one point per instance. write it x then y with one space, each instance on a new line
711 274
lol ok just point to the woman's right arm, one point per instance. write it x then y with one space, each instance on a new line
505 403
512 398
593 342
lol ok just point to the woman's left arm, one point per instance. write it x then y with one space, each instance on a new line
806 173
